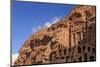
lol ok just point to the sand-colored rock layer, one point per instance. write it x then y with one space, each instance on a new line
72 39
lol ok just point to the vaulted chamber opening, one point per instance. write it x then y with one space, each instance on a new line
85 57
67 58
79 49
64 51
88 49
93 50
91 58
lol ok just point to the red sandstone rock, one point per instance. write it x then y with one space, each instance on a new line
72 39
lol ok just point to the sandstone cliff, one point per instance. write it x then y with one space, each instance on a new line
72 39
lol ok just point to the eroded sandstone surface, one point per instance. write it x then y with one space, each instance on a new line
72 39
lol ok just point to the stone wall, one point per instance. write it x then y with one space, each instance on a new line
82 39
72 39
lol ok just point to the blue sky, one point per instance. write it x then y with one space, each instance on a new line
27 17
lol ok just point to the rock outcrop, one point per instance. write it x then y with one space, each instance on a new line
72 39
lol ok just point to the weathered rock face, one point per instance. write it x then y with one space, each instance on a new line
72 39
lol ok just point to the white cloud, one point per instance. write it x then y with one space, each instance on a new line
55 20
47 24
35 29
14 57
